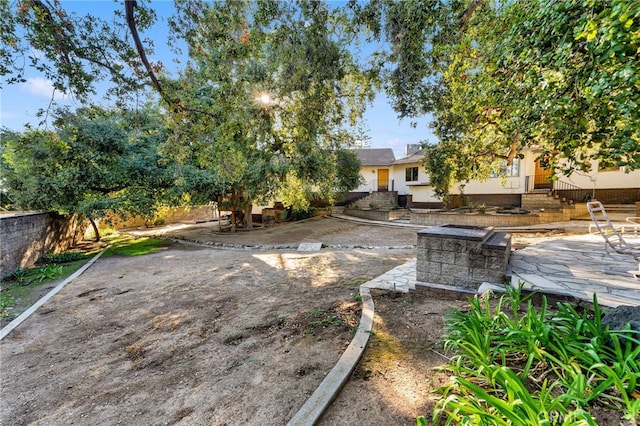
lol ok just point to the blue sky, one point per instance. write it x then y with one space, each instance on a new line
20 103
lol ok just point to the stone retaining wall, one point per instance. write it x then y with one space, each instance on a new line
26 237
379 215
377 200
431 218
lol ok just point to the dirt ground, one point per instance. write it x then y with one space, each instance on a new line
200 336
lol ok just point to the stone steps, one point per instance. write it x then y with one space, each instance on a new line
542 200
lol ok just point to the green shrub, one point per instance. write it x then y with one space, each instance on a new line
515 365
64 257
303 214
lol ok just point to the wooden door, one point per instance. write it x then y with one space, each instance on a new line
542 178
383 180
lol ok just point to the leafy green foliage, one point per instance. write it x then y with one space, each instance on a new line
269 95
498 76
7 301
96 161
74 52
48 273
64 257
540 366
281 90
23 286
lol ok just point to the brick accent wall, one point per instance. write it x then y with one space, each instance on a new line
26 237
618 196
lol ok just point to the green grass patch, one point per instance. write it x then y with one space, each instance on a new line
7 301
24 286
128 246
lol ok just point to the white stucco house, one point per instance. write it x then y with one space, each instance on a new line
407 176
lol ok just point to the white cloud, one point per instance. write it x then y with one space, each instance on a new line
41 87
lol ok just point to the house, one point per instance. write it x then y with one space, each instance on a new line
524 184
527 179
375 169
413 181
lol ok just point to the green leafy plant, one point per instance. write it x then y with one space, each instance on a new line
518 364
64 257
18 275
48 273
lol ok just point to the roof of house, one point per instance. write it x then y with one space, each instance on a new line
375 156
417 157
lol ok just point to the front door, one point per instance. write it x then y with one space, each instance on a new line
383 180
542 178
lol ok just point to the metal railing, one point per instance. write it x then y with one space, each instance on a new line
563 189
572 192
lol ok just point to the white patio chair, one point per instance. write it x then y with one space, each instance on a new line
612 237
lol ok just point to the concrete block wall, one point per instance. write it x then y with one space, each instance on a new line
462 262
26 237
431 218
444 218
544 200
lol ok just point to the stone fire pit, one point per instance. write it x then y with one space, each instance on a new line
464 256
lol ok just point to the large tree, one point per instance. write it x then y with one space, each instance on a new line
273 89
96 161
500 76
264 102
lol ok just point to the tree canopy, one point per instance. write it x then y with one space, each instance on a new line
281 89
265 101
270 89
499 76
96 161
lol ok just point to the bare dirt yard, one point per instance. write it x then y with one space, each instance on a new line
194 335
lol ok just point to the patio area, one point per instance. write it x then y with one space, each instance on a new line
576 265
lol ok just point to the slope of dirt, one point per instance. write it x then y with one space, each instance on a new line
327 230
187 336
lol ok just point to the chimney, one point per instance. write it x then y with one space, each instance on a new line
411 148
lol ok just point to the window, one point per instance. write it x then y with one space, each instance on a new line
509 171
411 174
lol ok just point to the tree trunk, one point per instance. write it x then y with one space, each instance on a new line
95 230
248 218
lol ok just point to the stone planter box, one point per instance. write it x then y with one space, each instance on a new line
462 256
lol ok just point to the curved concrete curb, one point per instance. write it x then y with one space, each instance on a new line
311 411
26 314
